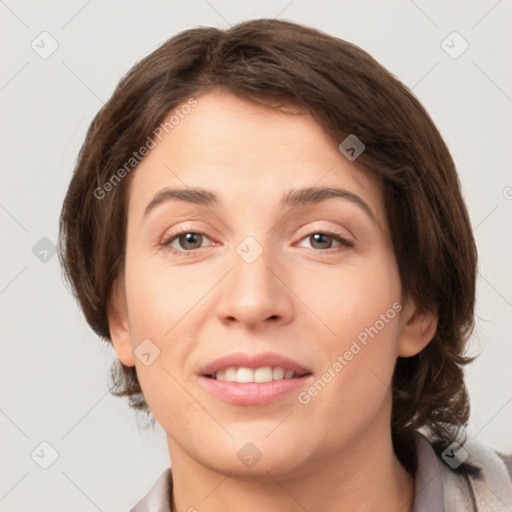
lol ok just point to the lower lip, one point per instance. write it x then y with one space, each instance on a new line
254 393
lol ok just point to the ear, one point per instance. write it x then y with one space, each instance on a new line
417 330
119 327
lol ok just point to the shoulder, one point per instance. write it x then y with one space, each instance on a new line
157 498
507 460
475 472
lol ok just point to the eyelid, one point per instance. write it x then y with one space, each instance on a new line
344 242
345 234
170 237
181 228
304 230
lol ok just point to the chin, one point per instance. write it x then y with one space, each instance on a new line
281 464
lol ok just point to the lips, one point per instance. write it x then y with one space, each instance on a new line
254 361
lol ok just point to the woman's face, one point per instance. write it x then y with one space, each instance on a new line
315 282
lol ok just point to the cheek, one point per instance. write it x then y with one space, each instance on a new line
355 384
361 307
160 295
354 298
163 305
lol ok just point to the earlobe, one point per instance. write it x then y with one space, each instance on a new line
417 330
119 329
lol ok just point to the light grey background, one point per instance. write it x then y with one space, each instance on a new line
54 384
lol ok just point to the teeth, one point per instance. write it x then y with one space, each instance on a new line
264 374
230 374
278 373
244 375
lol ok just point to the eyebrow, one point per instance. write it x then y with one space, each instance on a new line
294 197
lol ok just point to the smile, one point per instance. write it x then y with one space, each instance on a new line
254 393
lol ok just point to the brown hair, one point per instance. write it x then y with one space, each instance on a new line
273 62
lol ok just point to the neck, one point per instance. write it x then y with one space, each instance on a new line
365 476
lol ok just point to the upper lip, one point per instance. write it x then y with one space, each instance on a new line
239 360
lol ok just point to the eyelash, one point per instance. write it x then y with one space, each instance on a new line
345 244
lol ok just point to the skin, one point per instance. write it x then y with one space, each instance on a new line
335 453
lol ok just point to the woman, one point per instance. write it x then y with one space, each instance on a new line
305 352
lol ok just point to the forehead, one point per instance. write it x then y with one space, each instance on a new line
243 151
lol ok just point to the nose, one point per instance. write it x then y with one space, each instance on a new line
256 293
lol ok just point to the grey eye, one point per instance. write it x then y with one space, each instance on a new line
190 241
323 240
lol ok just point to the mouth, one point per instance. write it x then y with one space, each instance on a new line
263 367
256 375
257 379
256 393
